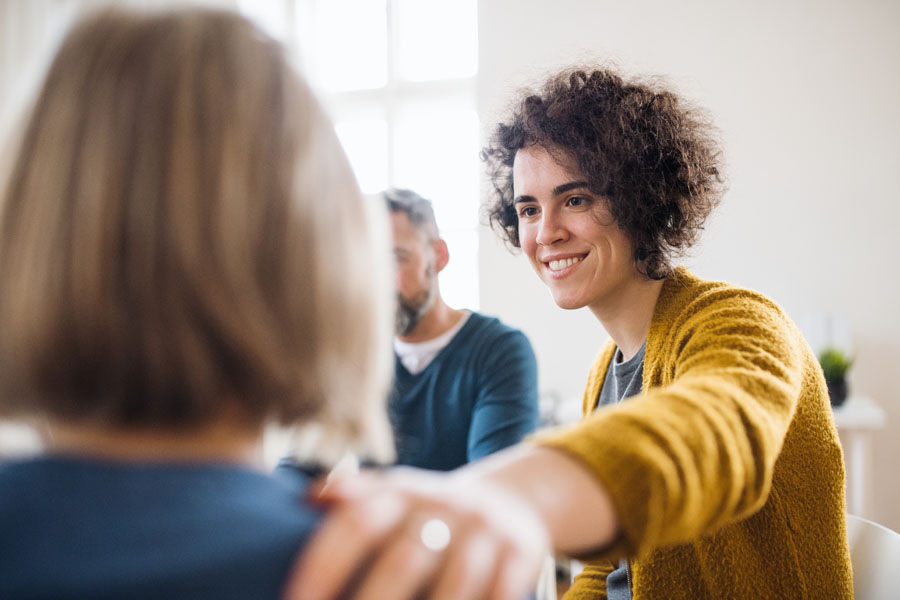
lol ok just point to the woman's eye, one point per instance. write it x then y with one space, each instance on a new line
577 201
527 211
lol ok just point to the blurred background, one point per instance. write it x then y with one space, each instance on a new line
805 94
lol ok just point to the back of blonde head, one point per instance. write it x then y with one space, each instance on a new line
180 229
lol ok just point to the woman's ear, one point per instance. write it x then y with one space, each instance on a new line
441 254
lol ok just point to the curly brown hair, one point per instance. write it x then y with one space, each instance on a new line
652 157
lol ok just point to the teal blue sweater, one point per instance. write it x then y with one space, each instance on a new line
478 395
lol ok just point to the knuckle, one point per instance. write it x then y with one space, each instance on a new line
362 522
406 555
480 522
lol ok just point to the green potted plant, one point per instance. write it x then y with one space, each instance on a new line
835 364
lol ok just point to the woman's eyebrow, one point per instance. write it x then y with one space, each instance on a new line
572 185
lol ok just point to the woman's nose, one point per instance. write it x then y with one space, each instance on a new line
551 230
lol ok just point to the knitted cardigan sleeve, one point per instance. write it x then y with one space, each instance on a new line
723 372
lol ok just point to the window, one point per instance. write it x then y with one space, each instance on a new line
398 78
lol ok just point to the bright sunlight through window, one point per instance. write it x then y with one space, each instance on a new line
398 78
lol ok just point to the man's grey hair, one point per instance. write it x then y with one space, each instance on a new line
418 209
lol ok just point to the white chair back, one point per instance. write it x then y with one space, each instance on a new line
875 554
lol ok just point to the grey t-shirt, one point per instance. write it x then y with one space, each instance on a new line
623 380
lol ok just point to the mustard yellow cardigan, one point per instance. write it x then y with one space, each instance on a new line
726 472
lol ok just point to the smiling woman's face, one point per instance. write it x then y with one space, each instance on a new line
568 234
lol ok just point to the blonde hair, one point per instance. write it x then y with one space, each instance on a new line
181 229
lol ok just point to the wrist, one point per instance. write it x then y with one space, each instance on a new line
573 506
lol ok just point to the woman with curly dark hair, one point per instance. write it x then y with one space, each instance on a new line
651 158
708 464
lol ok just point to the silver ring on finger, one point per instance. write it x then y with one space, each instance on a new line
435 534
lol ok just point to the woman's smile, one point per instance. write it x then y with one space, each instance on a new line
561 265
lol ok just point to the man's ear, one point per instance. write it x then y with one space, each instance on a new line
441 255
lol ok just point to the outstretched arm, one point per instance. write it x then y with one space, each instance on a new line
691 455
504 514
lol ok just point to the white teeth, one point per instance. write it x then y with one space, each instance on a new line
559 265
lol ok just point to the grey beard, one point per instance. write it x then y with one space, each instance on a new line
410 312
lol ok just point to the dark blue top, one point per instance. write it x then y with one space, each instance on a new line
478 395
72 528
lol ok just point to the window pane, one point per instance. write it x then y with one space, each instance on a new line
350 51
365 142
437 156
459 280
437 39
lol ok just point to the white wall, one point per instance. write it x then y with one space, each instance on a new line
807 96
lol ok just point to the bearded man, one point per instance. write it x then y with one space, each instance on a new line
465 384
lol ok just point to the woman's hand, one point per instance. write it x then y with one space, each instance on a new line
386 538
